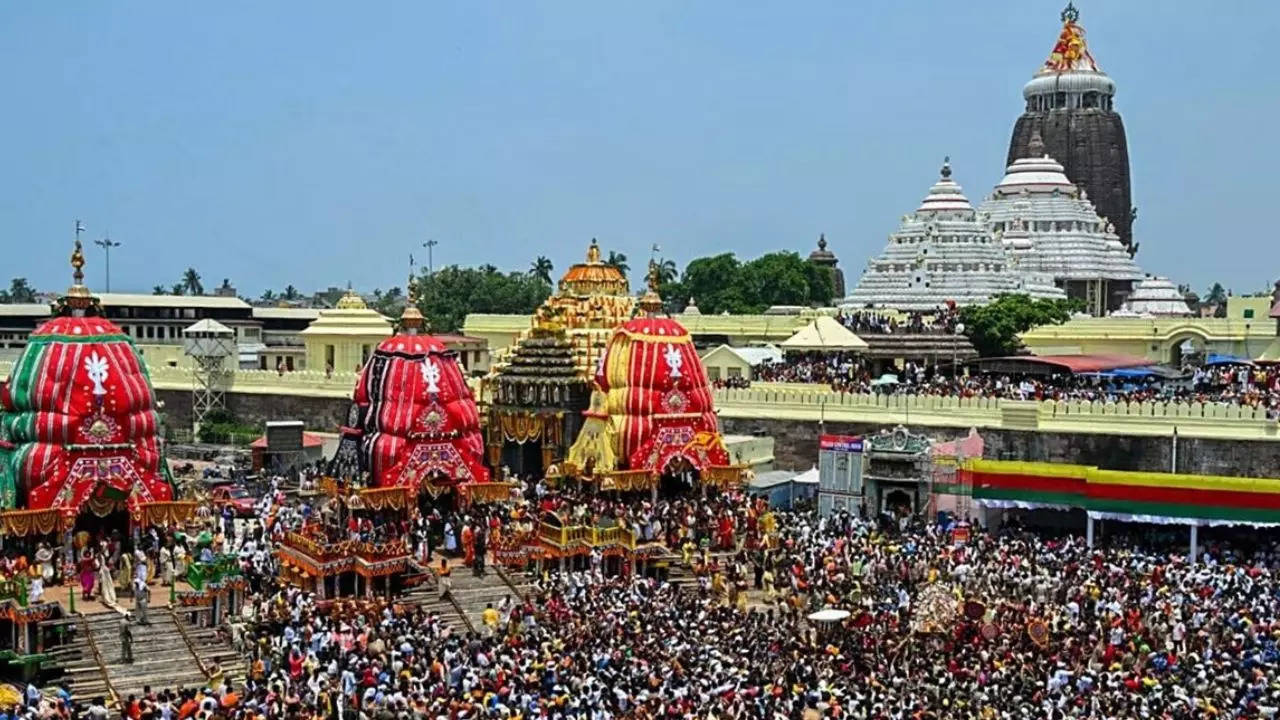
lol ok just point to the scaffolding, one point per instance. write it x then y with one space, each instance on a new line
208 343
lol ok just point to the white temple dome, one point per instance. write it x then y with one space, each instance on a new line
944 252
1155 296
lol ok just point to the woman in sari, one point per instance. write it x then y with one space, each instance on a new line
106 584
88 574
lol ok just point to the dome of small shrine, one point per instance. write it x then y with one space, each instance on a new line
78 422
1155 296
594 277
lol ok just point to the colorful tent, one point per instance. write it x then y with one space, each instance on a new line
414 419
78 414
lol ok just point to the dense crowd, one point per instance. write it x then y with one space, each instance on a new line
944 321
1243 385
1007 624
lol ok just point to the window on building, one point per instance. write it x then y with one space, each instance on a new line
713 373
1248 313
288 362
734 372
365 352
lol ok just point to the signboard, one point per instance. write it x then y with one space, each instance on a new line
839 473
840 443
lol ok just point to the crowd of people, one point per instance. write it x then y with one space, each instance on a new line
1241 385
1003 624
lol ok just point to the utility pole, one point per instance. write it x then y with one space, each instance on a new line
107 243
430 245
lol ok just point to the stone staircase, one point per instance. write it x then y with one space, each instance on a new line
168 653
464 611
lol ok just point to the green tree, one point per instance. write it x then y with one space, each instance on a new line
778 278
994 328
158 290
191 282
618 260
389 303
821 286
449 294
667 272
715 283
1217 299
268 296
178 289
20 291
541 269
290 293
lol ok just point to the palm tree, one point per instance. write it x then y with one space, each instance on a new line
191 281
541 269
178 289
667 271
158 290
20 291
618 260
268 296
290 293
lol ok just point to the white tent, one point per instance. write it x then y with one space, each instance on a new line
825 334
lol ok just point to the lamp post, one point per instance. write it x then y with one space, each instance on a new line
955 342
106 244
430 245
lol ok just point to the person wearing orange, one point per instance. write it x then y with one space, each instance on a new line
445 577
468 544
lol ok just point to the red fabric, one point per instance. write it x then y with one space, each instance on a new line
410 434
661 399
85 417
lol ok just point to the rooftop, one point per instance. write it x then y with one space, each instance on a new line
178 301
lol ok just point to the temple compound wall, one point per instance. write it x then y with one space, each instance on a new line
796 447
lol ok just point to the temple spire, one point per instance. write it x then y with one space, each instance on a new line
651 301
411 320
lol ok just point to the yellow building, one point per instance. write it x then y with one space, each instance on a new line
344 337
1247 332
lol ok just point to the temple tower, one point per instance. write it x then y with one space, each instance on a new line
1069 103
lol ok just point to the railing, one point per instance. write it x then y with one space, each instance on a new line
586 535
820 403
97 658
810 402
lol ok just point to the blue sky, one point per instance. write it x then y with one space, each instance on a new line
317 143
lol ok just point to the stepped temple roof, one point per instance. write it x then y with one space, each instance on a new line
1050 227
1155 296
943 253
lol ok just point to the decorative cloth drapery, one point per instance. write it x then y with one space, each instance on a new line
410 404
651 368
164 514
1209 498
19 523
394 498
595 447
488 492
79 413
628 480
521 426
724 477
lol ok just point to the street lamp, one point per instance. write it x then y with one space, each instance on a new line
955 342
430 245
106 244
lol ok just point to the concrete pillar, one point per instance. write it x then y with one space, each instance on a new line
1088 531
1195 543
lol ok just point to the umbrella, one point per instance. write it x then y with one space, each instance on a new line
885 379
